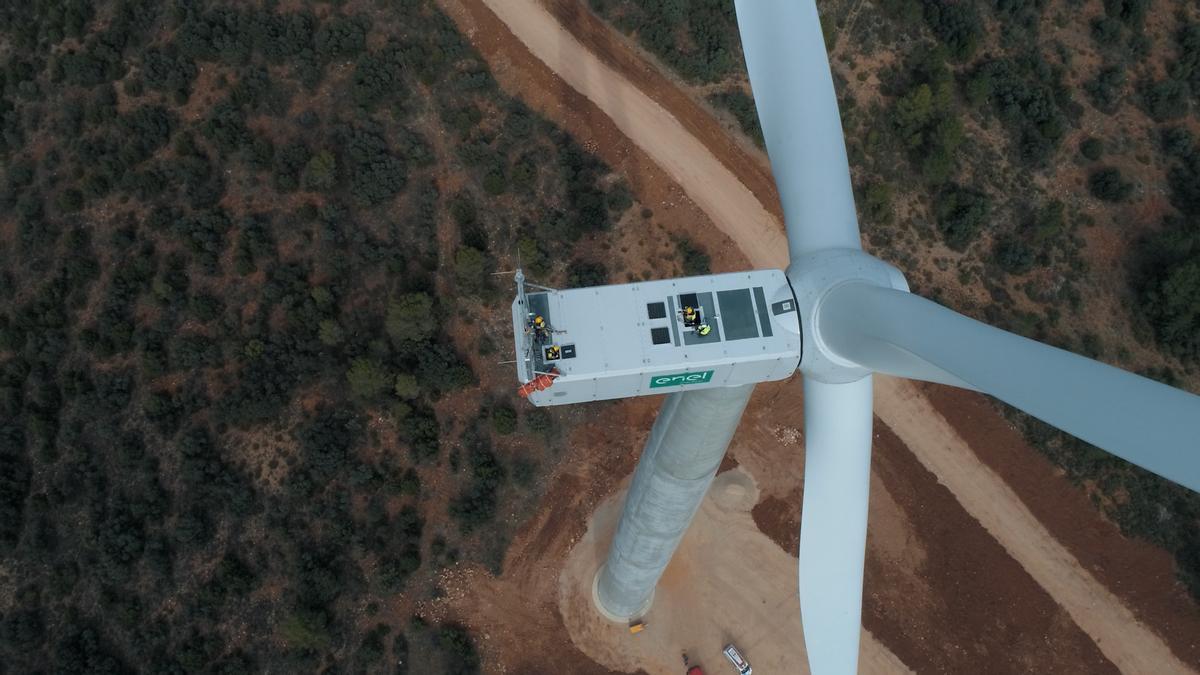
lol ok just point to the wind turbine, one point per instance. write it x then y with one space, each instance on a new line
839 315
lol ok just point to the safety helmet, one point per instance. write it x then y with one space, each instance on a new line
539 321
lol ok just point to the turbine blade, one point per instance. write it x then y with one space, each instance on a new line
798 111
1137 419
833 524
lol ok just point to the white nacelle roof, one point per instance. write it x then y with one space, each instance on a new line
630 339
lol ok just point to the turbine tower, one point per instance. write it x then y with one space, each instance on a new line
837 314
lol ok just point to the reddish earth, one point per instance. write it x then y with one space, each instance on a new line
613 49
1141 575
516 617
971 607
940 591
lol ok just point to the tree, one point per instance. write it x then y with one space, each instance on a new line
532 255
1170 287
495 182
1106 88
960 213
471 269
406 386
70 200
741 105
320 173
584 273
1013 255
1028 95
911 115
925 122
367 377
695 261
329 332
504 419
1107 184
539 420
877 204
956 24
1091 148
410 318
1130 12
1165 99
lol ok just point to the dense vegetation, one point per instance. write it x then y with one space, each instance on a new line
233 246
964 154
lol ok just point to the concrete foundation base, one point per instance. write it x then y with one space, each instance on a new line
609 615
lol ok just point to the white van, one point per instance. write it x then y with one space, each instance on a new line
736 659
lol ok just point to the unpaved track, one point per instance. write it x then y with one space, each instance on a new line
737 212
1120 636
742 217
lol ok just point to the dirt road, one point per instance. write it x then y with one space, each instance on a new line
715 189
1126 642
739 214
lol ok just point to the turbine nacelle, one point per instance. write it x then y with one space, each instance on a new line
654 337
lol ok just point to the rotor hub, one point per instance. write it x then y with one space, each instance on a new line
813 276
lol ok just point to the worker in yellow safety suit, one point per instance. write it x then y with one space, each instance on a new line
690 317
703 329
552 353
541 332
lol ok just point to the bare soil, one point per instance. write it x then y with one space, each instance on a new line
516 616
1141 575
707 597
961 575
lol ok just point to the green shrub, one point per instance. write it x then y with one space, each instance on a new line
1091 148
581 273
1028 95
695 261
1170 287
741 105
956 24
698 40
305 629
70 200
877 204
472 270
504 419
1105 89
406 386
1013 255
320 173
539 420
1107 184
1165 99
961 212
368 378
410 318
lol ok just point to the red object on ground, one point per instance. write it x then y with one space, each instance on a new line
539 383
695 670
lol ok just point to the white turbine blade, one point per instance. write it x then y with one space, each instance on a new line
797 108
1137 419
833 524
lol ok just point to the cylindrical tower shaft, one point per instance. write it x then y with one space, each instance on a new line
681 458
